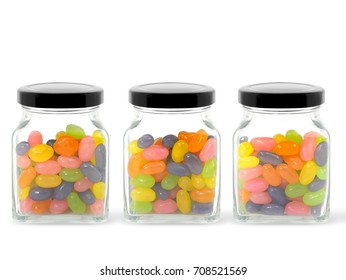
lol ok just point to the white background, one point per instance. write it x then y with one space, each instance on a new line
225 44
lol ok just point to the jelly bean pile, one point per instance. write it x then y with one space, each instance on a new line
173 174
65 175
283 175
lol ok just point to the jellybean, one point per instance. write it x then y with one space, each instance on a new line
245 149
202 208
317 184
165 206
294 136
87 197
278 195
145 141
209 150
263 144
58 206
296 190
76 205
143 194
91 172
66 146
183 201
180 148
185 183
197 141
26 177
209 168
71 175
260 197
169 182
243 139
250 173
35 138
82 185
193 163
315 198
23 161
100 156
26 205
320 139
71 162
295 162
307 149
272 209
22 148
141 207
23 193
308 173
86 149
210 182
161 193
51 142
63 190
270 175
186 136
178 169
155 152
60 133
279 138
311 134
322 172
287 173
153 167
159 176
75 131
197 181
142 181
252 207
133 147
99 138
244 195
48 167
256 185
297 208
287 148
41 153
48 181
169 140
268 157
204 195
135 164
39 194
173 192
248 162
99 190
40 207
321 154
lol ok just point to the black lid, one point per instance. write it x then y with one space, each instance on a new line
172 95
60 95
281 95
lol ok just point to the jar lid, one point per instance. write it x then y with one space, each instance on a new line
281 95
172 95
60 95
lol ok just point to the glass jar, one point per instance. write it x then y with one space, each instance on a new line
281 155
60 155
172 155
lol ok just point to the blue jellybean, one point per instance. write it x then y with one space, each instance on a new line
278 195
268 157
317 184
100 156
91 172
22 148
145 141
272 209
201 208
193 163
87 197
321 154
161 193
244 139
178 169
39 194
169 140
63 190
252 207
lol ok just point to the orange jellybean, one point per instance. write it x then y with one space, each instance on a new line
287 173
26 177
287 148
198 141
270 175
40 207
135 164
66 146
186 136
158 141
204 195
159 176
294 162
244 195
154 167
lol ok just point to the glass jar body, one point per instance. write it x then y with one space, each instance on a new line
175 176
281 166
60 166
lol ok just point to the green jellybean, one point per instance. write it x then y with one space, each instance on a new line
209 168
76 205
320 139
314 198
143 181
141 207
75 131
296 190
294 136
71 175
321 172
169 182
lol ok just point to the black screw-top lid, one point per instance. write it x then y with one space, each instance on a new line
60 95
172 95
281 95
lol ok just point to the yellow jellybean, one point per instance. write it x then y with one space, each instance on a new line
185 183
197 181
183 201
99 138
41 153
279 138
48 181
23 193
248 162
245 149
143 194
308 173
133 147
59 134
210 182
99 190
179 150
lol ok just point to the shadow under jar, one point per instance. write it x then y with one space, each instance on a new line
281 155
60 155
171 155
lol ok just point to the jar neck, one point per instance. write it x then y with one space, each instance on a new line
174 111
56 111
278 111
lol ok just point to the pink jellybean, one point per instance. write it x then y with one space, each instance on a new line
83 184
23 161
260 198
155 152
263 144
173 192
69 162
312 134
35 138
48 167
167 206
86 149
209 150
250 173
297 208
26 205
283 184
256 185
307 148
97 208
58 206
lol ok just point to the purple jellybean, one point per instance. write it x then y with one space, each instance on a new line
317 184
40 194
100 157
161 193
321 154
272 209
145 141
87 197
252 207
169 140
91 172
178 169
268 157
202 208
278 195
193 163
22 148
63 190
